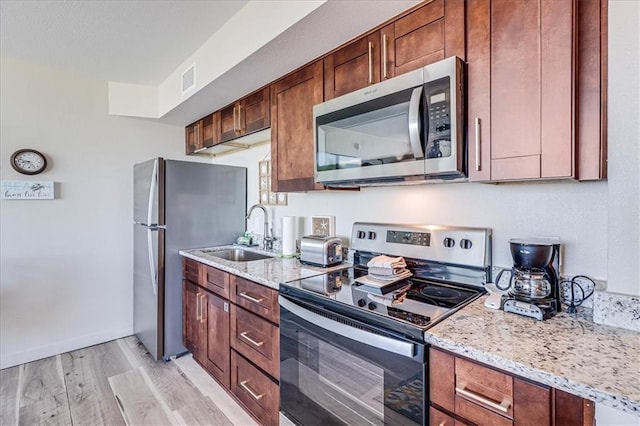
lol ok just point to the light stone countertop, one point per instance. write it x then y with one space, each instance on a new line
269 272
569 351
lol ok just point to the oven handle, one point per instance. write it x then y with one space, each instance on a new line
388 344
414 123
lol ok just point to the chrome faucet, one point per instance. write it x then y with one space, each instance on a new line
267 241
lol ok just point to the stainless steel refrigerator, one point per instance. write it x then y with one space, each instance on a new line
177 205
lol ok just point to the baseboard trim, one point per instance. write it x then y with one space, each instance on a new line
32 354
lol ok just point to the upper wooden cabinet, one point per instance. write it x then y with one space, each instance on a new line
528 112
248 115
203 134
428 34
292 150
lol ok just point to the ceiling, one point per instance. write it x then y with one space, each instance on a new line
137 42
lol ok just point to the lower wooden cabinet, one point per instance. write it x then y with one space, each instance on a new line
237 341
255 389
465 391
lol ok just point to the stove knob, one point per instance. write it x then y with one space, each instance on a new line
449 242
372 235
465 244
372 306
362 235
361 302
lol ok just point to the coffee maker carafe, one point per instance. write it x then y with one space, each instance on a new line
534 289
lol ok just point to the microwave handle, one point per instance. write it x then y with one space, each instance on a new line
414 123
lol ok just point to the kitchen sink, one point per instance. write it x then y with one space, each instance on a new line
237 255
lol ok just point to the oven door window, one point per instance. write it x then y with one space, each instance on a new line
329 379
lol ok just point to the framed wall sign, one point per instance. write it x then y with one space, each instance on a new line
27 190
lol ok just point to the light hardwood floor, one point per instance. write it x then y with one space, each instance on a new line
114 383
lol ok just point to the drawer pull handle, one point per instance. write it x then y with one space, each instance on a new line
251 298
251 392
503 406
245 335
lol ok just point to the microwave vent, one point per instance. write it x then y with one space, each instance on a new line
189 79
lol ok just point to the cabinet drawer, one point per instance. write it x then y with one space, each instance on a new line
258 340
217 281
478 414
255 390
190 270
438 418
484 387
255 298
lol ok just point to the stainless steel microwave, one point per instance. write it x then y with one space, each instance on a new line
405 129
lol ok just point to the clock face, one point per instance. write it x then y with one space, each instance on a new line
28 161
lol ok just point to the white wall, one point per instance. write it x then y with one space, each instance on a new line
66 264
576 212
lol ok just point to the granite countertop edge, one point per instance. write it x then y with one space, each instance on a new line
529 371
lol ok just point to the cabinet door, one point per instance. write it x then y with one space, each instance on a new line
217 322
292 149
433 32
193 139
193 330
211 130
255 111
353 67
526 47
255 390
229 127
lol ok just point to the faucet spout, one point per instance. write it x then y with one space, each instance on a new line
267 241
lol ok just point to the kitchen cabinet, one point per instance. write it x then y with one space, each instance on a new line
203 134
535 89
230 325
248 115
474 393
428 34
292 127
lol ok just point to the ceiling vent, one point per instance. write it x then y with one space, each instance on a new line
189 79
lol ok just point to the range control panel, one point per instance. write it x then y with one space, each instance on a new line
448 244
404 237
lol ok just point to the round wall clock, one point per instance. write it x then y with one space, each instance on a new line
28 161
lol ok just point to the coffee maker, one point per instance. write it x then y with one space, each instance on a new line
534 289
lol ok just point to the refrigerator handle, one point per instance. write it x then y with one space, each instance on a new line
152 193
152 263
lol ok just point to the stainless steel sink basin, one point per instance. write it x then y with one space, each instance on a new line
237 255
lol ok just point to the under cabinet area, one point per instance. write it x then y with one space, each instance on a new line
230 325
467 392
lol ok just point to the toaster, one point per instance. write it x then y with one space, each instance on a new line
321 250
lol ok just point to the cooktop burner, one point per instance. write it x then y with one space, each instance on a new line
415 302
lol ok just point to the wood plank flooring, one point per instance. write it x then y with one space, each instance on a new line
114 383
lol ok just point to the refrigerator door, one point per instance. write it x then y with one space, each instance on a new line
146 179
148 288
205 206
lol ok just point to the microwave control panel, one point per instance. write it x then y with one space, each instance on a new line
438 111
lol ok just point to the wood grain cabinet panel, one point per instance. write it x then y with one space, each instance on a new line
468 392
248 115
203 134
353 67
292 149
530 105
256 298
216 280
193 333
257 339
430 33
217 324
255 390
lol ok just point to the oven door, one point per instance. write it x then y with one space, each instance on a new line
336 371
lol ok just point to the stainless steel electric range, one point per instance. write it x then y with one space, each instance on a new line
355 354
